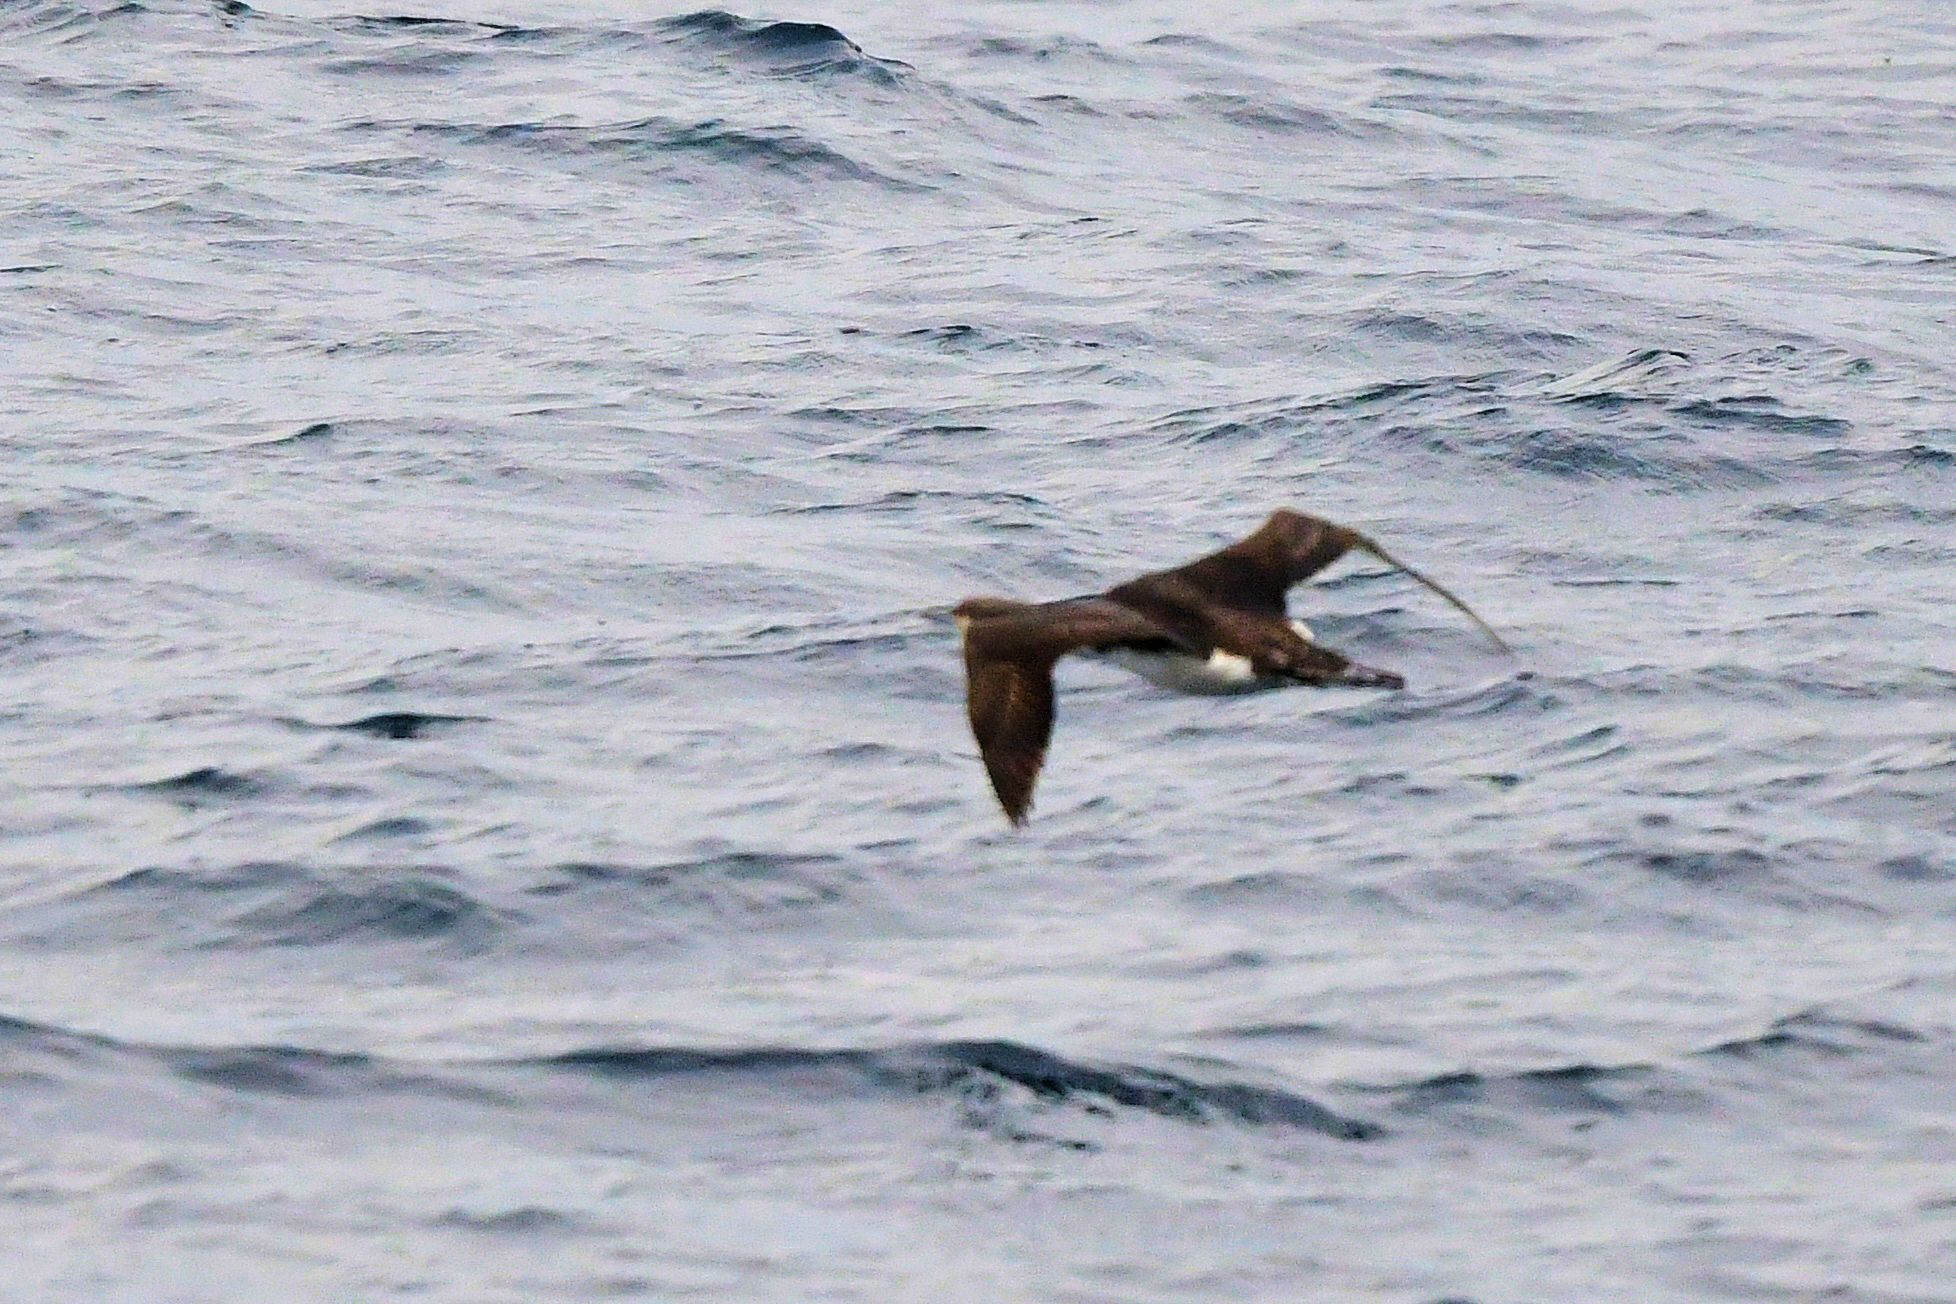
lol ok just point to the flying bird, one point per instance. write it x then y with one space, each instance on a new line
1216 625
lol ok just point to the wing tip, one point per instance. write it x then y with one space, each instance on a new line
1014 799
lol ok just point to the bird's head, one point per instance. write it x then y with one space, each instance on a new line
983 609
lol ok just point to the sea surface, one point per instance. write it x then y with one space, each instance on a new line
486 811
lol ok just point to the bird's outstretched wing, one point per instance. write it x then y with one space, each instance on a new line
1008 661
1252 575
1011 706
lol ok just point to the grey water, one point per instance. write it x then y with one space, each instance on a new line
487 811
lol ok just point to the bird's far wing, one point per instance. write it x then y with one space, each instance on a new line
1253 574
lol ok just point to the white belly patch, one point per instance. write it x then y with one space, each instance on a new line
1221 672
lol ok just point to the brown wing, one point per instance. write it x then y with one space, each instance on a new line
1251 575
1011 706
1008 661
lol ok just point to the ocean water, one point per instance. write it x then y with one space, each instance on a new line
488 814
